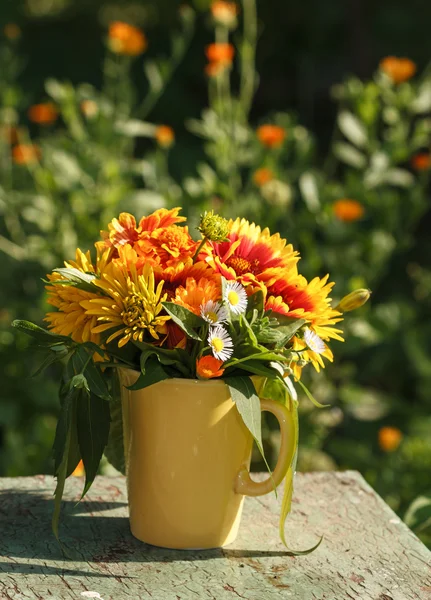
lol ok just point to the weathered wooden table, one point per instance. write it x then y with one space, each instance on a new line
367 552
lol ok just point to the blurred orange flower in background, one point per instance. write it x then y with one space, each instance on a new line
24 154
421 162
165 136
43 114
208 367
224 12
348 210
398 69
262 176
220 56
12 31
271 136
389 438
126 39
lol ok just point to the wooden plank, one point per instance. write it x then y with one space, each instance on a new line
367 553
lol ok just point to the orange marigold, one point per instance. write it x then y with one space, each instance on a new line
220 53
421 162
24 154
389 438
195 293
126 39
208 367
165 136
262 176
271 136
398 69
224 12
348 210
43 114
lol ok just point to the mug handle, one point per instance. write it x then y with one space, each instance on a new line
243 483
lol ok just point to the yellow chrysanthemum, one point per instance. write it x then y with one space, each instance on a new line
70 318
132 304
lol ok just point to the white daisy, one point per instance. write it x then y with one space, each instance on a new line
235 297
314 342
213 312
220 342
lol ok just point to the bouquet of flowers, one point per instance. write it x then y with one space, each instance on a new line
231 305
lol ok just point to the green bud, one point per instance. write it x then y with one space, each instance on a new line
353 300
213 227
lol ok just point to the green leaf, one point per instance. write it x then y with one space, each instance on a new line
418 515
51 358
255 367
352 128
43 336
97 380
310 395
349 155
154 372
114 450
244 395
185 319
93 421
76 277
61 448
289 331
255 302
80 382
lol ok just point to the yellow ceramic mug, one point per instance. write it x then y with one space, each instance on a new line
187 461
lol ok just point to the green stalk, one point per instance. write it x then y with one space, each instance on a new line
248 56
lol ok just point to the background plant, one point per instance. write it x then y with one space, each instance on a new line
94 165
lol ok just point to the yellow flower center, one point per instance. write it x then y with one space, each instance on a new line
211 315
233 298
217 344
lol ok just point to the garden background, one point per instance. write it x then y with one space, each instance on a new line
351 131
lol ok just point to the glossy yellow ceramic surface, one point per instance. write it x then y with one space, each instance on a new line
187 459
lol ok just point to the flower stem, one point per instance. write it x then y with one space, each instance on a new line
201 245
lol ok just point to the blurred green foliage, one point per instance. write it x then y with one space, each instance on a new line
99 160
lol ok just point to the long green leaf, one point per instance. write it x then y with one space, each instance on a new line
244 395
288 331
310 396
43 336
114 450
286 503
97 381
93 420
185 319
76 278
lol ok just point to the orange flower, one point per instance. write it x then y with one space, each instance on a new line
25 154
220 56
195 293
165 136
224 12
79 471
167 246
421 162
389 438
43 114
208 367
126 39
398 69
12 31
89 108
271 136
348 210
262 176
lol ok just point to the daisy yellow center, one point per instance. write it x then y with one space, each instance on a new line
217 344
233 298
211 315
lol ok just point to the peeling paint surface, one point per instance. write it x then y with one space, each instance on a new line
367 552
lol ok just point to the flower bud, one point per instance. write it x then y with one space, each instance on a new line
213 227
353 300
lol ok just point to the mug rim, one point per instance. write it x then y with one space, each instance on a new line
214 381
